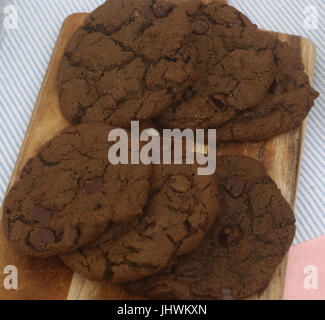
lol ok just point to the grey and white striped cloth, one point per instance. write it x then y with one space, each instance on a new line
27 45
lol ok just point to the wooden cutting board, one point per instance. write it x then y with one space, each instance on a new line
49 278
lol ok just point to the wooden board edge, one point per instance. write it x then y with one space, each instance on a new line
312 54
308 53
34 116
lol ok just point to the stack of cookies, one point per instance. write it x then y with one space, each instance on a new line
185 66
163 231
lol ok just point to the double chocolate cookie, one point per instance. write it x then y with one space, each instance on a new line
180 211
284 108
249 239
69 193
130 60
250 85
232 74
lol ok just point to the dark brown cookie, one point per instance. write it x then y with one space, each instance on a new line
181 209
250 85
233 74
252 234
69 193
284 108
130 60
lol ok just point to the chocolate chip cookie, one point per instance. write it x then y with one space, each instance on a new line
251 86
130 60
252 234
181 209
284 108
69 193
233 74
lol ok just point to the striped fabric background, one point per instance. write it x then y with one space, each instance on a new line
26 50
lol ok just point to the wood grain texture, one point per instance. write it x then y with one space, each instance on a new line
48 278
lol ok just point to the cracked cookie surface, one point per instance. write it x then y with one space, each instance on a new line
130 60
251 86
235 68
249 239
69 193
181 208
284 108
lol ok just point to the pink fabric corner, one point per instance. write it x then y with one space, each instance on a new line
306 271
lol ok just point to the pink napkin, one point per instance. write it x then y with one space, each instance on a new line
306 271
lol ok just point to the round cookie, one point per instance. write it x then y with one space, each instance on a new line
181 209
235 68
237 259
130 60
284 108
69 193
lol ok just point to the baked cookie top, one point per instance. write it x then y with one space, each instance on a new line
284 108
253 232
130 60
235 68
250 87
69 193
180 211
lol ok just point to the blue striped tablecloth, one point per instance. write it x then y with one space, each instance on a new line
26 48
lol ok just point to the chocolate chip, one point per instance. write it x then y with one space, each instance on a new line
40 214
162 9
277 89
226 293
185 53
42 238
230 236
200 26
94 186
235 185
219 101
27 168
